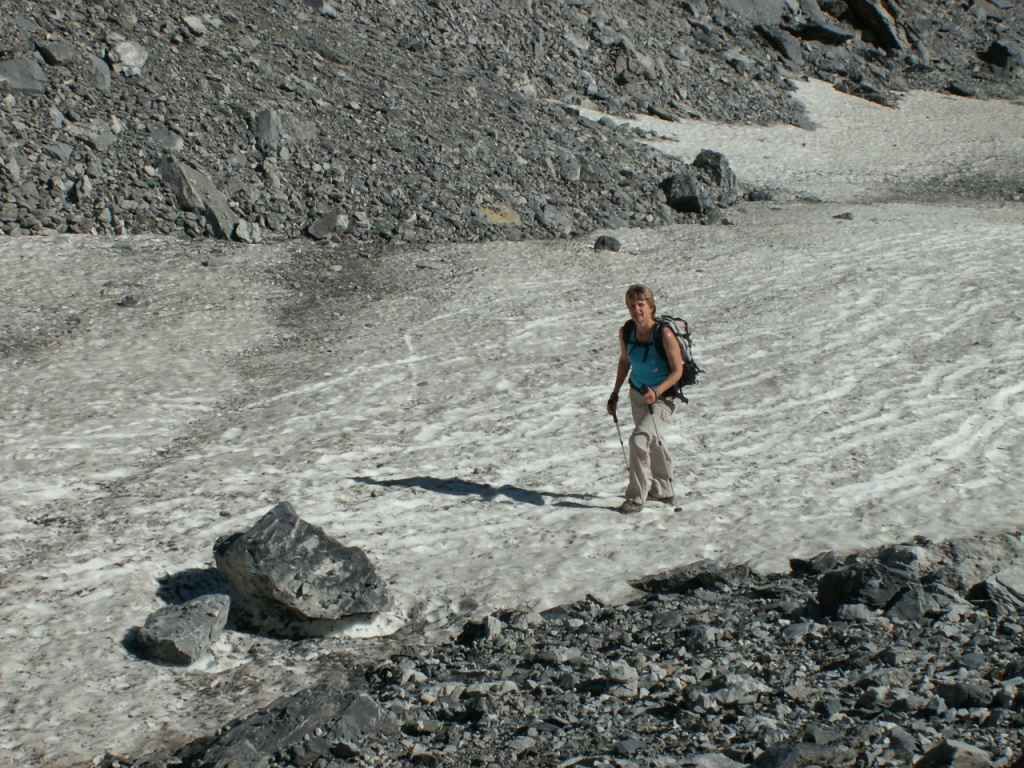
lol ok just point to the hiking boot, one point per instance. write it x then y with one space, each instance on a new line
630 507
670 500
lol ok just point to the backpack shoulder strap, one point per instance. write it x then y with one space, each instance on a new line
626 329
659 338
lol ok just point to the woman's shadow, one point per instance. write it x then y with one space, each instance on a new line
456 486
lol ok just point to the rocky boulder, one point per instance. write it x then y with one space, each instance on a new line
182 634
292 579
704 185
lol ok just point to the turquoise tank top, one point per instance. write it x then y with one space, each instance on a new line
647 366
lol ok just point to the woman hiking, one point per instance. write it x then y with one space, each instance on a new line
649 354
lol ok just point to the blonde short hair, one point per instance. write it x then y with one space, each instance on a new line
639 292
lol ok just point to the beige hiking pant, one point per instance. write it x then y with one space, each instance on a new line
650 466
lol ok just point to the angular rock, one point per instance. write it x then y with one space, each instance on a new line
58 53
247 232
1012 581
869 583
766 11
195 192
556 219
59 150
821 29
716 168
23 76
792 754
965 563
568 167
964 695
98 135
1001 594
96 72
195 25
475 632
81 190
267 128
703 574
954 754
292 579
818 564
874 18
182 634
1006 56
685 193
167 140
328 224
912 605
128 58
783 42
607 243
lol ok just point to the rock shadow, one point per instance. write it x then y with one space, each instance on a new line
179 588
456 486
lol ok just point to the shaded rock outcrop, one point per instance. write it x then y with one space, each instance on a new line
290 725
409 120
712 666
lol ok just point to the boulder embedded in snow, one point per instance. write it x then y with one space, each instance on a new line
182 634
293 579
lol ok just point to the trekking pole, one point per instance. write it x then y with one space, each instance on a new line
657 432
615 417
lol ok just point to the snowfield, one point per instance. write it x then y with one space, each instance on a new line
864 384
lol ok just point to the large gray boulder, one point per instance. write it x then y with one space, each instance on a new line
292 579
182 634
